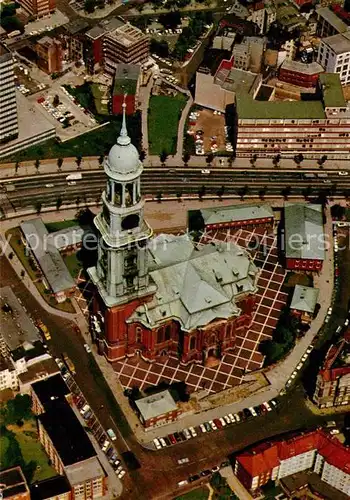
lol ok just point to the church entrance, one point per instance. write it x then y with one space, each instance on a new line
211 358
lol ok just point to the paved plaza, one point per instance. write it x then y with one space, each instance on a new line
229 372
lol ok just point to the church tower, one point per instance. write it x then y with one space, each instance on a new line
121 274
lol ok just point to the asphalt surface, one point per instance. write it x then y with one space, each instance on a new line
154 479
26 192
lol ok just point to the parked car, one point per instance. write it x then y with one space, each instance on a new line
208 426
157 444
267 406
203 428
212 425
87 348
218 423
252 411
232 418
227 419
177 437
223 421
162 442
206 472
193 432
172 439
121 474
194 478
105 445
111 434
187 434
238 417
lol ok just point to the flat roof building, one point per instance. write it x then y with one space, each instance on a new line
304 239
55 488
48 258
300 74
8 102
46 391
334 55
13 484
329 23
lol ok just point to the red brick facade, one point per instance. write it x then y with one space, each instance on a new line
298 78
126 339
304 264
265 222
166 418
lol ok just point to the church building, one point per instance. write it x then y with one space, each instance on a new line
164 295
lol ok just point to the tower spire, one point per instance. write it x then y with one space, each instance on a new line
123 138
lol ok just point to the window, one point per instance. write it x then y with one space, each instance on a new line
192 343
160 335
167 332
129 188
138 334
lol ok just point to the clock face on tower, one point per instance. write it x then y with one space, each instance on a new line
130 221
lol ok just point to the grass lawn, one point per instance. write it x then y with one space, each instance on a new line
197 494
57 226
73 263
27 438
92 143
293 279
4 443
163 121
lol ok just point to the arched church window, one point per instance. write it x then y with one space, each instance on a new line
160 333
213 339
138 334
129 281
167 332
130 222
192 343
129 194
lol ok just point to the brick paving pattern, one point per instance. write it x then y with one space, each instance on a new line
229 372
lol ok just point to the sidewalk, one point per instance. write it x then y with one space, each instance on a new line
234 483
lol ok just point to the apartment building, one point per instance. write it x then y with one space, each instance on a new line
329 22
127 44
334 55
38 8
8 374
315 451
55 488
50 55
13 484
312 128
333 380
126 86
65 440
8 103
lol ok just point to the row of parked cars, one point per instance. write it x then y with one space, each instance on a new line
106 446
203 473
215 424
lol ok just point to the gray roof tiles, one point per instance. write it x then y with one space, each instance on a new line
156 405
304 298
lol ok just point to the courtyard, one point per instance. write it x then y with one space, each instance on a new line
246 356
213 129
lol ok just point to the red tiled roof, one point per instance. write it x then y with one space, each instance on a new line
331 375
264 457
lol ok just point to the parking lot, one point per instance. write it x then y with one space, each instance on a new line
246 357
213 127
46 23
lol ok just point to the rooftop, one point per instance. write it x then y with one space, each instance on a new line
105 27
90 469
50 488
126 77
195 285
332 91
304 298
239 80
338 43
312 482
50 389
42 369
4 51
156 405
66 433
249 109
16 326
127 35
236 213
48 257
327 14
304 236
299 67
76 26
66 237
12 482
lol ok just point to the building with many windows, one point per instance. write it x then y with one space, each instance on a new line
334 55
312 128
157 409
38 8
333 380
300 74
304 238
65 441
126 86
315 451
166 295
127 44
50 55
329 22
8 103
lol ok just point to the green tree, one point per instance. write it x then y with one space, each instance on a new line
59 202
186 158
209 158
262 193
201 192
89 6
242 192
17 165
272 350
37 165
100 159
56 100
163 157
78 161
59 163
159 197
38 206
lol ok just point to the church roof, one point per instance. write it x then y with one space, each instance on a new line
195 286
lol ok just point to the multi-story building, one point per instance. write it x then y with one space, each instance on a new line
50 55
334 55
65 440
8 374
8 103
38 8
55 488
300 74
145 287
333 380
13 485
248 55
312 128
126 87
258 16
304 238
315 451
330 23
127 44
231 217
